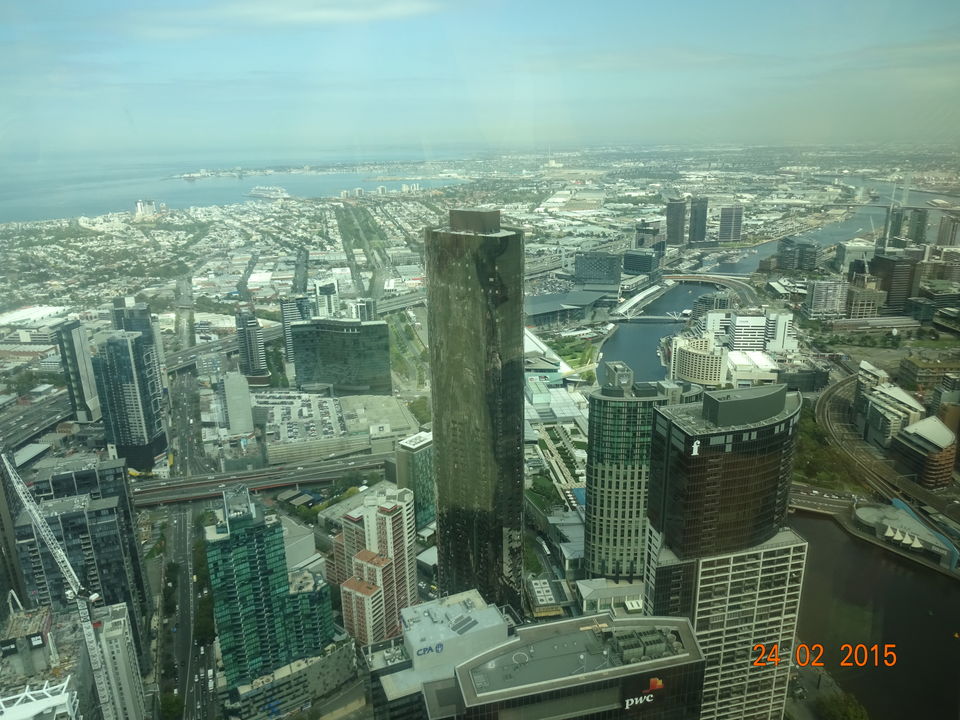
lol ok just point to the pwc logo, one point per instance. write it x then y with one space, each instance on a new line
647 697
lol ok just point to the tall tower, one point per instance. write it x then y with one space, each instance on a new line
676 220
731 224
475 293
619 543
131 395
114 633
919 218
720 476
263 621
415 471
293 309
136 317
78 371
698 220
253 354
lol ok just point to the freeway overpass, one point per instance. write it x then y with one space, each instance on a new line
185 358
21 424
737 283
186 489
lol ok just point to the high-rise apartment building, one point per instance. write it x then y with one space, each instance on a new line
78 371
643 261
825 299
731 224
894 223
619 543
114 634
919 219
719 487
252 352
376 564
62 478
266 617
646 234
127 314
294 309
364 309
793 254
415 471
327 294
895 276
475 291
698 220
948 234
131 397
349 357
676 220
864 302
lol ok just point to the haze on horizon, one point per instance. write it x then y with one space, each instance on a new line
294 75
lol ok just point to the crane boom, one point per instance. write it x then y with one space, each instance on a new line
75 589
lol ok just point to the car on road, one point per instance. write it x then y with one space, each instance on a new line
221 485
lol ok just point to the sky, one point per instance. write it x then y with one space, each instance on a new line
297 76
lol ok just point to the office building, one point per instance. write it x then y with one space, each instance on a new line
851 252
415 471
780 333
885 410
252 354
475 296
948 234
801 255
294 309
375 560
127 314
826 299
676 221
926 449
731 224
455 662
91 533
131 398
919 219
619 543
62 478
78 371
597 268
719 487
640 262
114 634
266 617
349 357
895 223
364 309
646 234
698 220
895 276
747 330
327 293
720 300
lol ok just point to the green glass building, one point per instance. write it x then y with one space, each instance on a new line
265 617
415 471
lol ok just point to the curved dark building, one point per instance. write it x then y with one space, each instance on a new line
720 471
475 293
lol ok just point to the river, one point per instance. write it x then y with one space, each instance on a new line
853 591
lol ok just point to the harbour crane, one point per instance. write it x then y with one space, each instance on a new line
75 590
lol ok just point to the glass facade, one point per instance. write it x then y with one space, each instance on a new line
722 487
262 622
475 291
415 471
350 356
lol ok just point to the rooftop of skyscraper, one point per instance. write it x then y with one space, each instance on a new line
737 409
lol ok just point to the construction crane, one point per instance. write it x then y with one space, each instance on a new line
75 591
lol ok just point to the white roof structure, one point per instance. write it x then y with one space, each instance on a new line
57 702
932 430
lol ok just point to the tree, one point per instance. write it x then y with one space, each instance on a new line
171 707
840 706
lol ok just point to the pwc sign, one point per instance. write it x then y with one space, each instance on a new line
646 697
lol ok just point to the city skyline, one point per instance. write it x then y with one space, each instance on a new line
106 77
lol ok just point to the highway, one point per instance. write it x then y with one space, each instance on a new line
746 293
184 489
22 423
183 358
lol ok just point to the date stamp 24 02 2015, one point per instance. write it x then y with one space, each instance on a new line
851 655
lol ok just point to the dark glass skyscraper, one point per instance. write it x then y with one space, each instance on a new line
731 224
676 220
475 292
78 371
698 220
294 309
896 276
351 357
128 384
719 486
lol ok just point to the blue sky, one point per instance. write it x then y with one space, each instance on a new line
292 76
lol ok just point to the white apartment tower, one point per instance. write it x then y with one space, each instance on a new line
121 666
